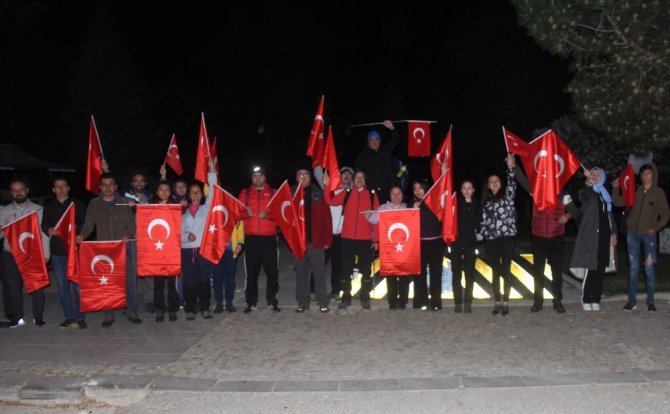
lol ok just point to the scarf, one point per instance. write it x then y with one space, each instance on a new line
599 188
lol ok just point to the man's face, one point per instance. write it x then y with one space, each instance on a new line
303 177
258 180
180 188
646 176
108 187
61 189
374 143
359 180
19 192
139 183
346 178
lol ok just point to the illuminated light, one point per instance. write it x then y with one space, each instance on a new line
485 270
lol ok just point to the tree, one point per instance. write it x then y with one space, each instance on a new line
620 53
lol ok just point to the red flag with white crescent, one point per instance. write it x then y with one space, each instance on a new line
515 145
172 157
282 208
66 229
436 196
299 203
400 242
549 167
25 242
330 162
94 159
442 160
203 153
224 212
418 139
316 143
102 276
627 185
158 239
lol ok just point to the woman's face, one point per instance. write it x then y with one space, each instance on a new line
180 189
163 192
195 194
494 184
467 190
396 196
418 191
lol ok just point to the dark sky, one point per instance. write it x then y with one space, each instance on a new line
251 63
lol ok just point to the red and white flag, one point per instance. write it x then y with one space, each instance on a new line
215 157
627 185
436 196
515 145
66 229
94 160
102 276
316 144
282 208
400 242
418 139
158 239
549 166
172 157
299 204
442 160
330 162
25 241
224 212
203 153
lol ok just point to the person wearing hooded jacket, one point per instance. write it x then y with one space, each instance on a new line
375 160
646 218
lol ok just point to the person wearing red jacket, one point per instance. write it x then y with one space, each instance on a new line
319 235
359 237
260 236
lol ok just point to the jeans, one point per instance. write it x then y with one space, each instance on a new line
648 245
223 275
68 291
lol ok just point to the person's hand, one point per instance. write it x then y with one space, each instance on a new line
183 203
615 183
125 238
588 175
162 171
250 212
325 179
564 218
417 204
326 247
615 240
511 162
191 237
650 232
51 231
263 214
104 165
132 202
368 213
79 239
238 250
389 124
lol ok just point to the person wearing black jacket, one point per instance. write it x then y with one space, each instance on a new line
68 291
432 253
463 254
376 161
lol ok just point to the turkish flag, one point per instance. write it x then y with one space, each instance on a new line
102 276
515 145
627 185
549 167
436 196
224 212
400 242
94 160
330 162
172 157
203 153
450 219
158 239
316 144
282 208
442 160
66 229
215 157
299 204
25 241
418 139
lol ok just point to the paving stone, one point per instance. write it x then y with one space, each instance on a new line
615 377
182 383
492 382
663 375
552 380
245 386
369 385
429 383
302 386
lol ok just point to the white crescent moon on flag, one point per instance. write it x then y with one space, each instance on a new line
300 208
557 158
283 206
417 130
22 237
176 152
222 209
102 258
625 182
443 199
397 226
159 222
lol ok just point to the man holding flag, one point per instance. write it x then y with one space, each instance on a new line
68 290
12 279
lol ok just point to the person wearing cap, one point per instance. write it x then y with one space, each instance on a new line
375 160
316 217
260 236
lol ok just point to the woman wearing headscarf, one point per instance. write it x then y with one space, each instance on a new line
596 231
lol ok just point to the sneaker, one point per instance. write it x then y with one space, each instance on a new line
190 316
536 307
218 308
365 303
16 324
108 321
68 323
435 308
160 316
651 307
39 322
206 314
230 308
172 316
424 308
497 308
301 309
629 307
132 317
82 324
558 307
249 309
274 308
595 306
505 309
324 309
587 307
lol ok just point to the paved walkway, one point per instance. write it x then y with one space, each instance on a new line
352 350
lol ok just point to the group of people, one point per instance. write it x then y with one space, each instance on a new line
341 228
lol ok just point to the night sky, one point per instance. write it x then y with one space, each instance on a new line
247 64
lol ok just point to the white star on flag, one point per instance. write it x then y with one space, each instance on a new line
159 245
103 280
212 228
399 247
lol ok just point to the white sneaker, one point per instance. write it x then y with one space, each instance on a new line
587 307
595 306
21 322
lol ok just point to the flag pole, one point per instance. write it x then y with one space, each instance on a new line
202 117
505 138
382 123
102 154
